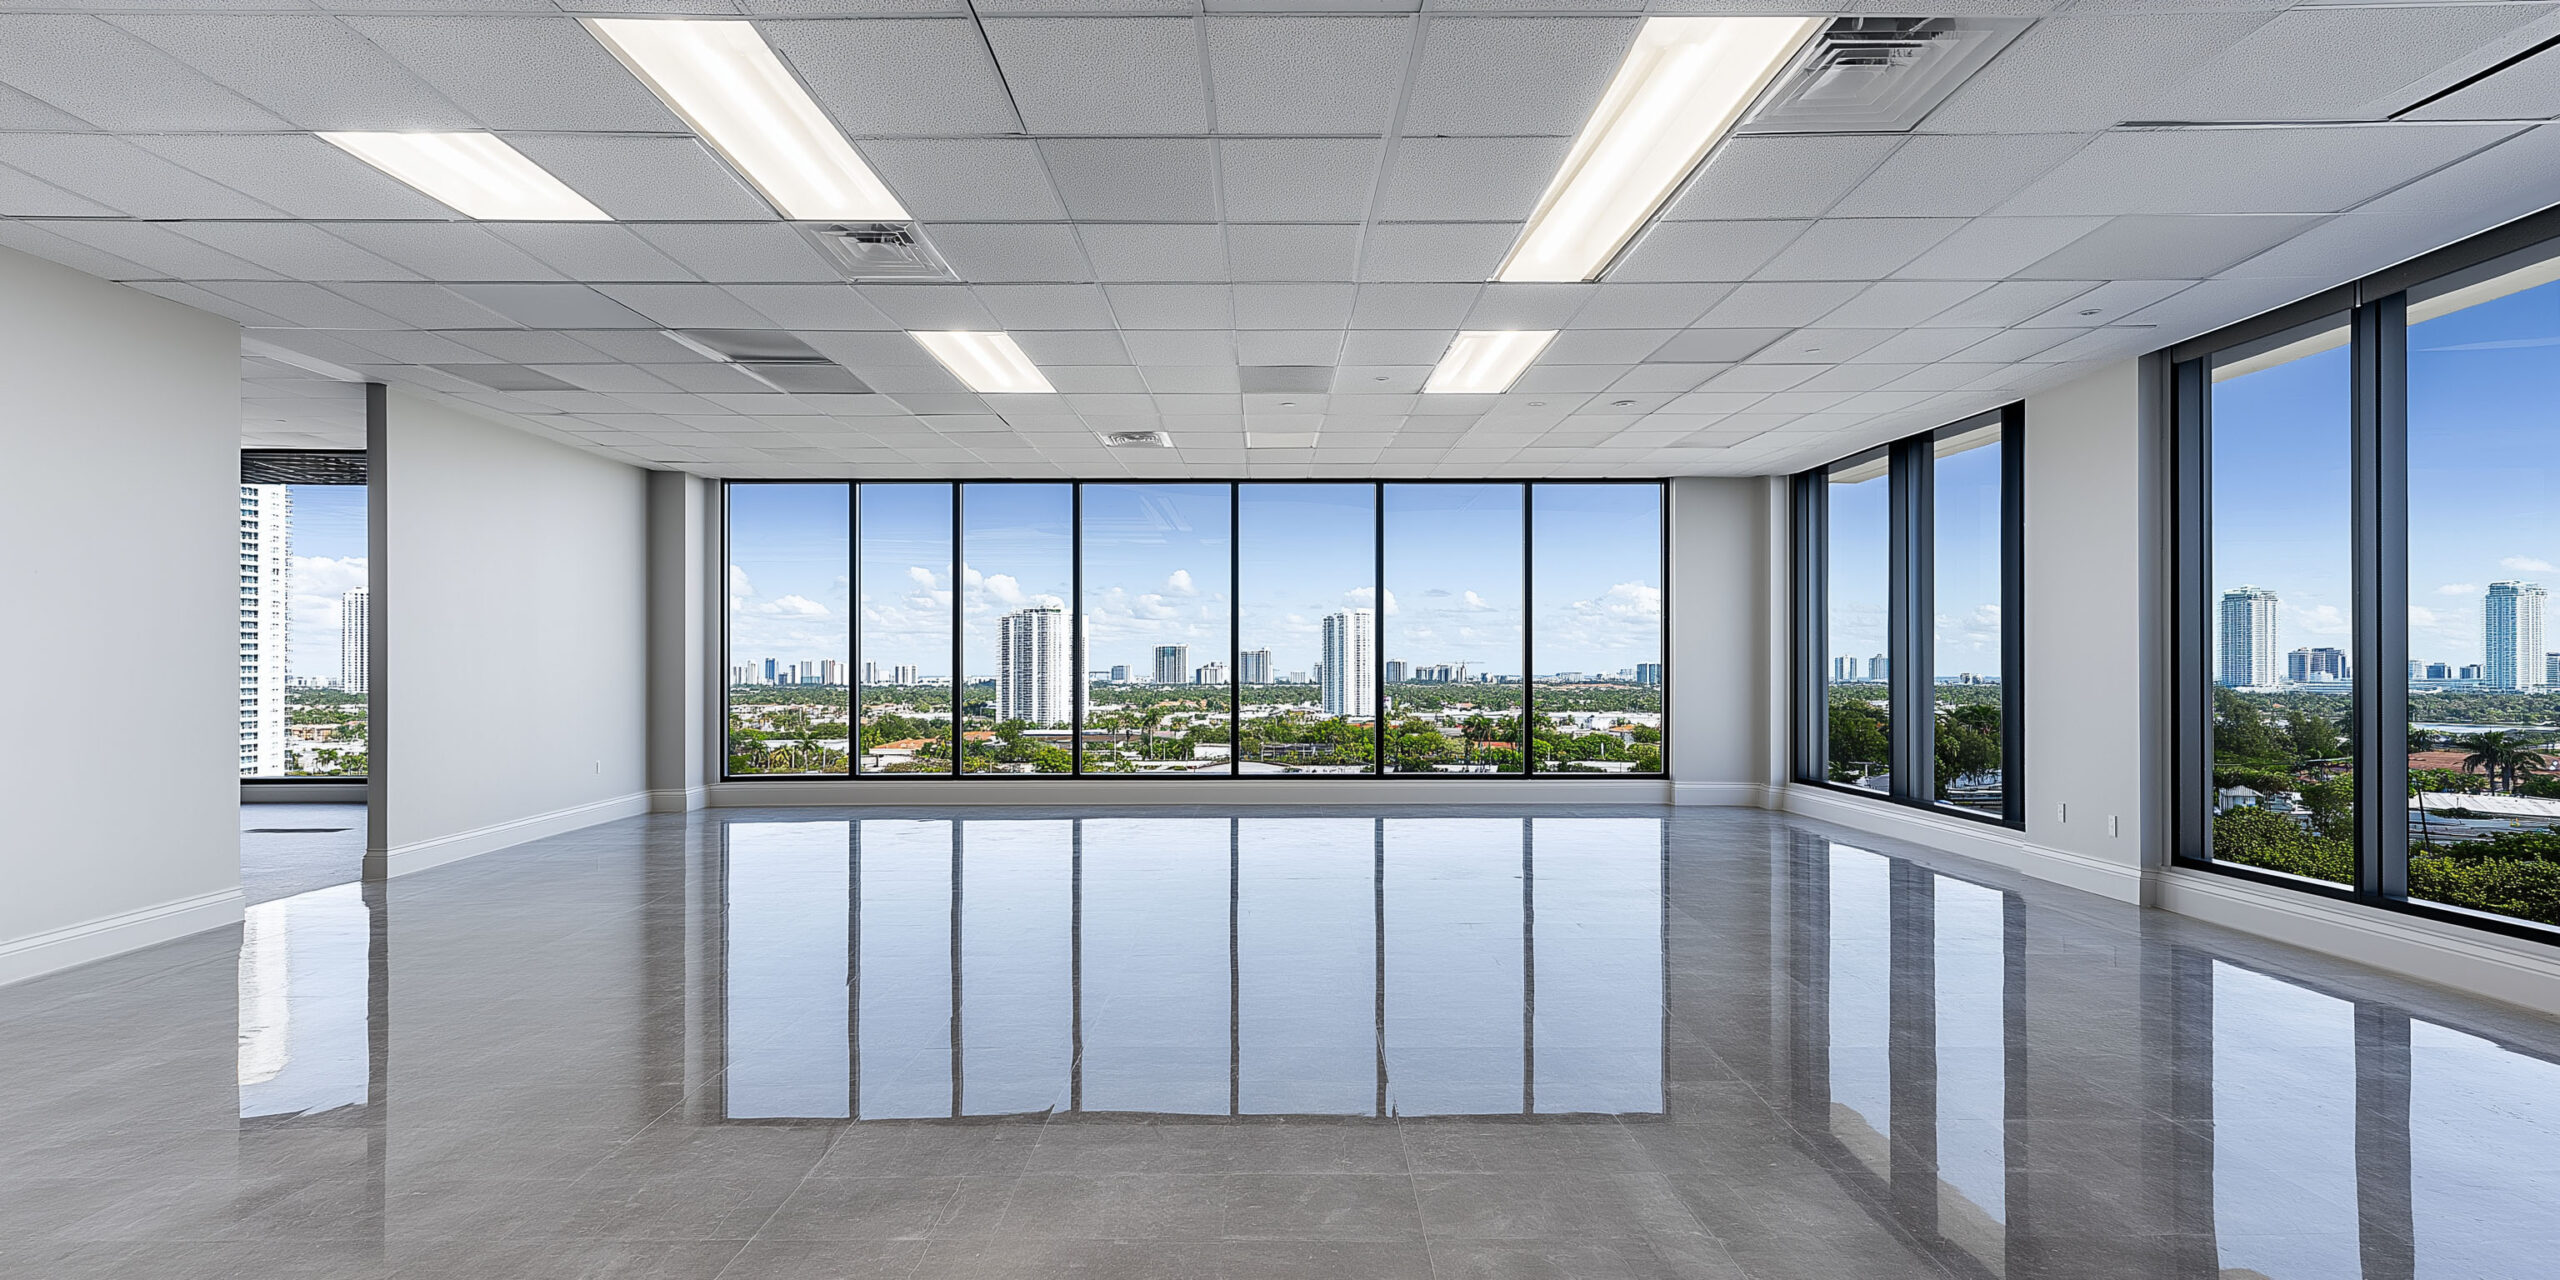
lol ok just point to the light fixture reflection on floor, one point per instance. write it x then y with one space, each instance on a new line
988 363
726 82
1485 361
478 174
1679 92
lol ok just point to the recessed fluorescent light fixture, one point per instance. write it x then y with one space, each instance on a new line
476 173
1680 90
989 363
1485 361
727 83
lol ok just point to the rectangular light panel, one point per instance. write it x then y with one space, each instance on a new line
1485 361
478 174
988 363
728 84
1680 90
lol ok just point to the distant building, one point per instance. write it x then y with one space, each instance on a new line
2248 639
266 625
1120 673
2514 635
1031 665
1210 673
1844 670
1649 673
871 673
830 672
2551 671
2304 665
355 641
2439 671
2471 672
771 671
1298 677
902 674
1395 672
1253 666
1879 668
808 671
1350 663
1173 663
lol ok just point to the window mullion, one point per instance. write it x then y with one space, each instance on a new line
2379 364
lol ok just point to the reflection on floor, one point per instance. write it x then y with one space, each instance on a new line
1589 1043
287 849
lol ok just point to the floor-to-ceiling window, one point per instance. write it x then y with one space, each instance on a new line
2364 531
1908 646
305 615
1196 629
789 601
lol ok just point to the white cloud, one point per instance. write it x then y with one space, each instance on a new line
923 577
2527 564
2319 620
1359 598
1475 601
2459 589
1180 584
794 607
2421 616
739 589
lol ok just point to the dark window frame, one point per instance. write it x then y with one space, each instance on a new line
1911 680
2376 310
1378 771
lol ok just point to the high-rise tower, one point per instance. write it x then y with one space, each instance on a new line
1350 676
1031 666
2249 655
266 625
2514 635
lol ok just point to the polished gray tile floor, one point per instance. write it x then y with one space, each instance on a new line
1250 1043
287 849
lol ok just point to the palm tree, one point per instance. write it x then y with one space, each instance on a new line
2420 740
2500 755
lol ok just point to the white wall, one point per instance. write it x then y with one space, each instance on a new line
1721 559
510 639
120 417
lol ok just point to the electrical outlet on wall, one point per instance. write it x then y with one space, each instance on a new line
2111 825
2062 813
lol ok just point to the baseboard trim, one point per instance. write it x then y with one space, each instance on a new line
419 855
2515 970
1745 795
1999 846
58 949
1100 792
678 799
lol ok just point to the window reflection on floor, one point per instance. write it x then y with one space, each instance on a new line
304 1000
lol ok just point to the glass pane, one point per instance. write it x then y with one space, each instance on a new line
303 628
787 1039
1306 966
1019 571
904 875
2284 794
1456 986
2484 529
1307 553
1453 620
1598 642
789 561
1017 968
1861 711
1156 569
906 628
1968 682
1156 965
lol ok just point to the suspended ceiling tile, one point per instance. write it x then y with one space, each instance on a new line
1777 176
1468 179
314 72
1103 75
646 178
967 179
1298 179
114 80
1276 252
1134 179
2348 63
298 174
1015 253
2272 170
1470 80
2076 73
2164 246
293 249
1956 175
1281 75
124 177
533 74
443 250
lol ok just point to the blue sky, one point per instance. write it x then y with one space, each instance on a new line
1156 571
2484 491
1967 556
328 561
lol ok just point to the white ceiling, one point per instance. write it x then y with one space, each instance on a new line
1151 197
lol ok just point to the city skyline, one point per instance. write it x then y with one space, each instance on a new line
1156 570
2481 505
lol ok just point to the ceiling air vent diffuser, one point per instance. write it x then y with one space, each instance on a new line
878 251
1879 75
1137 440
